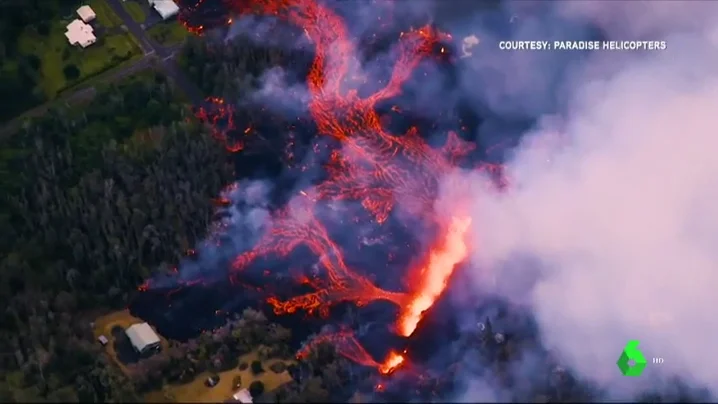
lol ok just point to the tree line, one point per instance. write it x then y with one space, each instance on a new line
93 199
233 69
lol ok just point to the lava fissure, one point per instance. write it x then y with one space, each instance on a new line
379 169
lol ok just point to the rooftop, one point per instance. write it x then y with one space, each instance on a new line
86 13
166 8
79 33
243 396
142 335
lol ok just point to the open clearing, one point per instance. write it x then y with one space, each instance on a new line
122 318
197 392
55 54
46 65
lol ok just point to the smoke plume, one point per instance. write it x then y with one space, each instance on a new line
608 231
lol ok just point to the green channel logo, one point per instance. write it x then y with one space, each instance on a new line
631 362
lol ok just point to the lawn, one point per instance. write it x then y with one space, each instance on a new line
135 10
168 33
197 392
55 54
105 16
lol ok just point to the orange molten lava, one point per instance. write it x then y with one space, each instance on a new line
435 274
381 170
347 345
391 363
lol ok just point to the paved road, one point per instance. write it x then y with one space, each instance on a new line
165 54
79 95
148 46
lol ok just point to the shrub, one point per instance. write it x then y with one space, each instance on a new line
43 28
278 367
71 72
257 367
33 61
256 388
263 352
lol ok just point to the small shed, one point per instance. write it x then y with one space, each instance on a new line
103 340
142 337
86 13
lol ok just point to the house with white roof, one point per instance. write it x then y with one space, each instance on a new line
79 33
242 396
143 338
86 13
166 8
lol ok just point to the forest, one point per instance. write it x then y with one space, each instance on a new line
229 70
91 202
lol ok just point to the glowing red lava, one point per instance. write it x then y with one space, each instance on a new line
347 345
379 169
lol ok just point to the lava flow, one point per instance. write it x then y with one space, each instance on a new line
381 170
347 344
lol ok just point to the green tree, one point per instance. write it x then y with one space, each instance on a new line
71 72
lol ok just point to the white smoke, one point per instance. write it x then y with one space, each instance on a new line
621 218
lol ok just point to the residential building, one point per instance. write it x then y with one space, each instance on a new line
166 8
103 340
86 13
143 338
79 33
243 396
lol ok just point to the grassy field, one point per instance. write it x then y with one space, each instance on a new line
55 53
135 11
168 33
70 98
198 392
123 318
105 16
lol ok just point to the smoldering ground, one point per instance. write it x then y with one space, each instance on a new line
616 220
